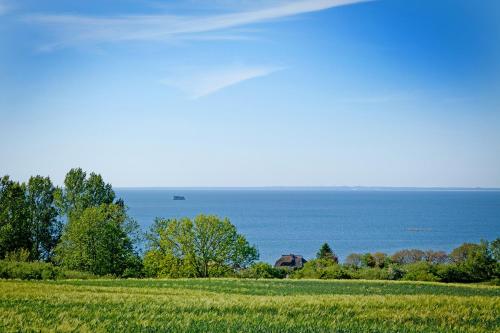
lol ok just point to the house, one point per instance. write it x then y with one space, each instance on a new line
290 261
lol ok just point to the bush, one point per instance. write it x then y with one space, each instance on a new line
395 272
372 274
27 270
37 271
420 271
452 273
321 269
135 267
262 270
21 255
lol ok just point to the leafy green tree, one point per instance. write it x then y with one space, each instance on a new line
203 247
44 223
325 252
460 254
15 231
367 260
81 192
479 262
495 249
495 253
98 236
469 263
98 241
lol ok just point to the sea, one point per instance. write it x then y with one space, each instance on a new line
296 220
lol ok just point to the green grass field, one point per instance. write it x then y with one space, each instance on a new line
226 305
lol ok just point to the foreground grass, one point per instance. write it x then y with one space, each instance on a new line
224 305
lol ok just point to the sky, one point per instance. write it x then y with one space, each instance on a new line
153 93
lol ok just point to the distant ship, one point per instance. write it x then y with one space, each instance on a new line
179 197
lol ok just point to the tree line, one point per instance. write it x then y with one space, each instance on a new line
82 230
82 226
467 263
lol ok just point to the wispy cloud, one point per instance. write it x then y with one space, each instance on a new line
202 83
73 29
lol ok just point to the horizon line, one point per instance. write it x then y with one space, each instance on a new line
344 188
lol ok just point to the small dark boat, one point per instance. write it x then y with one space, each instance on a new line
179 197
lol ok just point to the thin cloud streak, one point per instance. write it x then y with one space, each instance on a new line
74 28
206 83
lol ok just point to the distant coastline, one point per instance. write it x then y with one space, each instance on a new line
316 188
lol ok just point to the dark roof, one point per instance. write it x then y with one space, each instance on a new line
290 260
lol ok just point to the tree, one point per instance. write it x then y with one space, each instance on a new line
81 192
380 259
325 252
203 247
98 236
367 260
461 253
495 249
479 262
470 263
436 257
495 254
44 224
404 257
98 241
15 231
353 260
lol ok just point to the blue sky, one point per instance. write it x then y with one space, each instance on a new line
252 93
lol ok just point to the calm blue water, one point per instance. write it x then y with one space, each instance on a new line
299 221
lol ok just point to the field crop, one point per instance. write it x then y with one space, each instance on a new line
227 305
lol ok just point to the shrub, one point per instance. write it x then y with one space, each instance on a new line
368 273
321 269
20 255
27 270
452 273
37 271
395 272
420 271
262 270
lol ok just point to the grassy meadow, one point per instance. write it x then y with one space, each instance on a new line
227 305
